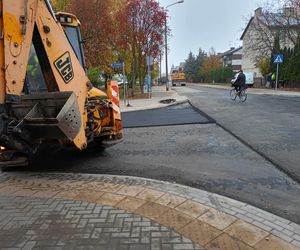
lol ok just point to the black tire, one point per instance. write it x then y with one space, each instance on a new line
243 95
233 94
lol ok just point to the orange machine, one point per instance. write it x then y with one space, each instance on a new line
178 76
45 95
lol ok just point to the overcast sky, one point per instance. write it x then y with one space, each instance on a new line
206 23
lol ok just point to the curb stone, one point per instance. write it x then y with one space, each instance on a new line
196 210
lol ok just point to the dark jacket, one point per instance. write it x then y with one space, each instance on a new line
241 80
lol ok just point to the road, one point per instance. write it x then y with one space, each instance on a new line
207 156
268 124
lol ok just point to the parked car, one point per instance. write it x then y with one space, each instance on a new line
162 80
119 78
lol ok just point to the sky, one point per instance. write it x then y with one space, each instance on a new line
204 24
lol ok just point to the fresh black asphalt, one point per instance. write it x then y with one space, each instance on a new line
181 114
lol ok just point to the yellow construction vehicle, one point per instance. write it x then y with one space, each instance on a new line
178 76
62 108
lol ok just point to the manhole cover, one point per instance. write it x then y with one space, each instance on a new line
167 101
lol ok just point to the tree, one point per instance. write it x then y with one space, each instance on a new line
97 28
275 50
285 67
190 67
193 64
61 5
199 62
294 66
145 21
264 66
210 66
119 31
281 21
94 76
222 75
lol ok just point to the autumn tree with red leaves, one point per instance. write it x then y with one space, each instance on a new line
120 30
145 28
61 5
96 17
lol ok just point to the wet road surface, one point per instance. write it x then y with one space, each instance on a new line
198 155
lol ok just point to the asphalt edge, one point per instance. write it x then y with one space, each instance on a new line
281 168
209 118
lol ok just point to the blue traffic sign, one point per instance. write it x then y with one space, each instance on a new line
278 59
117 64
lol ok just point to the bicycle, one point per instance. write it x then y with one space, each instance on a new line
242 94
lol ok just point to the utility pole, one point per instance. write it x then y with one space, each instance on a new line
166 44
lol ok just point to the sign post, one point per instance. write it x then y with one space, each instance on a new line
124 84
149 64
278 59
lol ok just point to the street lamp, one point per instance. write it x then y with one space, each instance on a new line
166 44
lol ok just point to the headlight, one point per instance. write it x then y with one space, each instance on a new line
62 19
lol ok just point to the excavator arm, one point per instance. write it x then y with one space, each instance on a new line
71 111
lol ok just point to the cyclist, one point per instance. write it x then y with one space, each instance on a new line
240 82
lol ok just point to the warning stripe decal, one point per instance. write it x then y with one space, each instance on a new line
114 93
116 108
115 98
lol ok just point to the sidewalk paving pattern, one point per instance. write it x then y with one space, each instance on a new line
63 211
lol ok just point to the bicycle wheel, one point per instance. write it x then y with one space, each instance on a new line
243 95
233 94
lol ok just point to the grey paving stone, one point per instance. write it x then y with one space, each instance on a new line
273 226
284 225
282 235
71 215
254 217
183 246
296 243
296 227
63 228
296 237
244 218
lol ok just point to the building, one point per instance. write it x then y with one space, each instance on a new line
260 32
232 58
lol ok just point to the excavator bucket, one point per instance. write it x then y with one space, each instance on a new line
49 115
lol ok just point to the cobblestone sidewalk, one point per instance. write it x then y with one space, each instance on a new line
68 211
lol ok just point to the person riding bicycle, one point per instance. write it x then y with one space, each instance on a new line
240 82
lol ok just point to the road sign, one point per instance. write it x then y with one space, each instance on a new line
116 65
278 59
149 60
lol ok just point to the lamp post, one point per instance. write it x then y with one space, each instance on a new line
166 44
